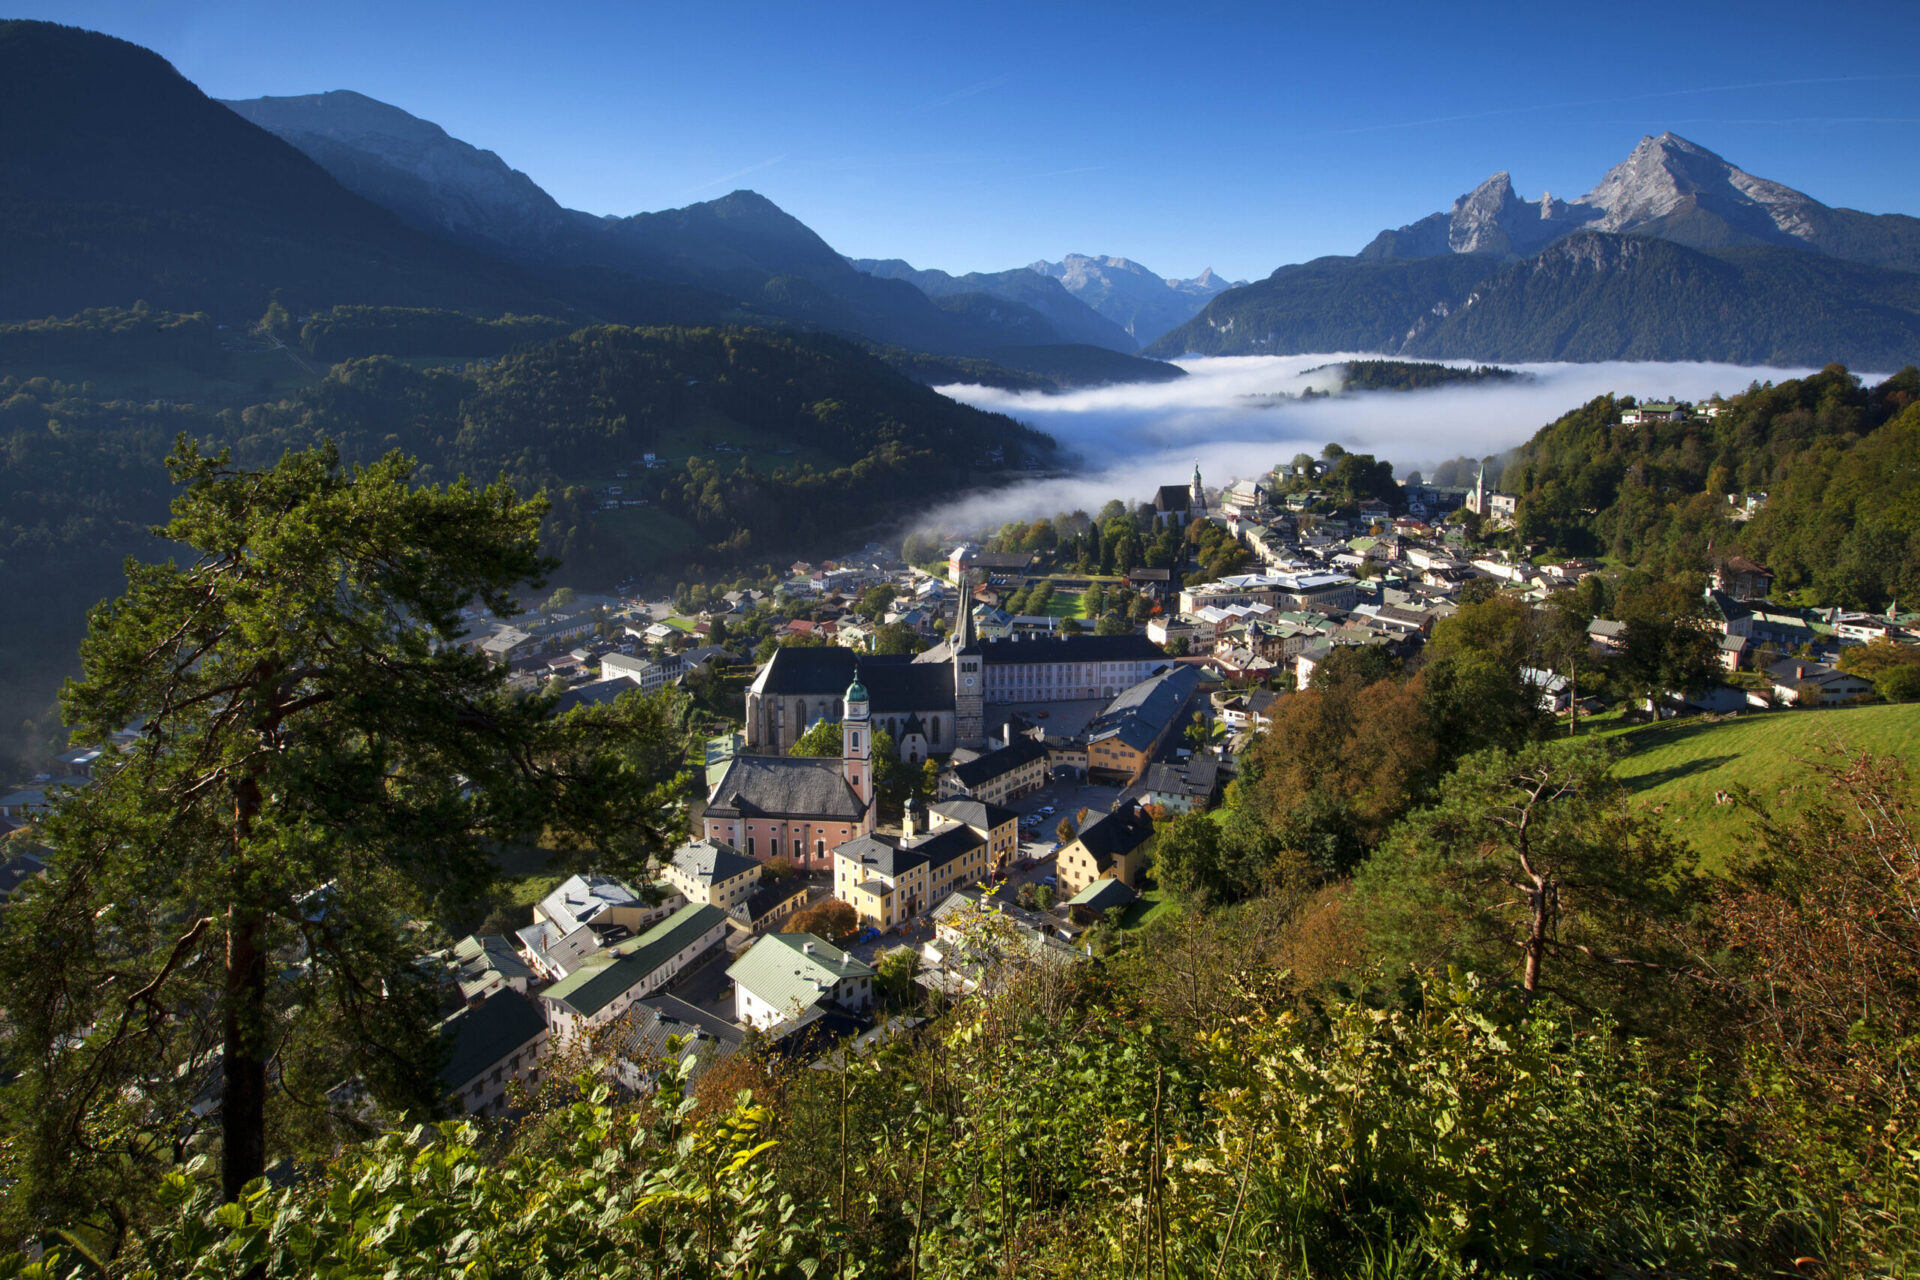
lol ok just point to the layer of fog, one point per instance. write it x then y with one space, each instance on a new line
1128 440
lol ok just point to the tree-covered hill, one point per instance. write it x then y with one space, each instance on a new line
1589 297
1329 304
1837 461
772 445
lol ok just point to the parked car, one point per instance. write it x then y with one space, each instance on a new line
1049 880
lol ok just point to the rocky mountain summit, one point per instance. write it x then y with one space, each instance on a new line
1667 187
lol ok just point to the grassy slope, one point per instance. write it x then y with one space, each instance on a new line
1680 767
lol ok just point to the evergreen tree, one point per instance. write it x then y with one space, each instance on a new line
317 764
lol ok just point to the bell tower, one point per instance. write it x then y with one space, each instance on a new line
969 676
1196 496
856 743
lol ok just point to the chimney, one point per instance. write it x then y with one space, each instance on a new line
1006 734
1799 670
806 948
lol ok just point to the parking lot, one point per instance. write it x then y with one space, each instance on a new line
1038 831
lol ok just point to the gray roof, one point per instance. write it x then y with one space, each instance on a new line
478 956
1141 714
984 768
1113 834
643 1031
484 1034
794 971
1103 895
786 786
977 814
712 861
580 900
895 684
596 984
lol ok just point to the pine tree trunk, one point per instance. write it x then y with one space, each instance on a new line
243 1089
1536 937
243 1092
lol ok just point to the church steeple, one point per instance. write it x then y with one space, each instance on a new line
856 740
963 614
1197 495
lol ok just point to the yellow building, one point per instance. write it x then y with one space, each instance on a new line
888 880
1000 828
1114 844
713 872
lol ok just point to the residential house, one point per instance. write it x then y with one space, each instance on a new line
1741 578
577 919
492 1044
1836 686
607 982
767 906
1113 844
785 978
1091 904
712 872
1011 771
652 1027
1182 788
999 827
485 964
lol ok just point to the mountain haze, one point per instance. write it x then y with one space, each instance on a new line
1143 304
119 180
741 245
1073 319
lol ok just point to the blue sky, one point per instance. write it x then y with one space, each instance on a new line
982 136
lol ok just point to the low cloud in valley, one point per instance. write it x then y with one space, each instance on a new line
1228 413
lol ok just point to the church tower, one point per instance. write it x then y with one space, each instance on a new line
856 743
1197 496
1478 502
969 677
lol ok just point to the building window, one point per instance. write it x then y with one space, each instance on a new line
749 846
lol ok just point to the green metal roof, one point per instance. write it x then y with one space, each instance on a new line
611 973
780 970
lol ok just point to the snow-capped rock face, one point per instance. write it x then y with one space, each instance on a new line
1668 173
412 166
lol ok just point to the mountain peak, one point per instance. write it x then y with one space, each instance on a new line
1672 177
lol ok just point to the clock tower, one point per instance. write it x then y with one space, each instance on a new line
969 675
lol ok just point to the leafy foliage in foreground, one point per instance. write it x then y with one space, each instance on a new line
1191 1108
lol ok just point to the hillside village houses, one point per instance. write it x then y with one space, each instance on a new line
606 955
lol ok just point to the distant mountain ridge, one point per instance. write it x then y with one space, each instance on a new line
1073 319
741 245
1145 305
119 180
1676 254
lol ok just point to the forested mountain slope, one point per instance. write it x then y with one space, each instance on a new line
1838 461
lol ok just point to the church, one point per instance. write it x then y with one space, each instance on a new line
800 807
934 702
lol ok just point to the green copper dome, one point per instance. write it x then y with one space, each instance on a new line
856 692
